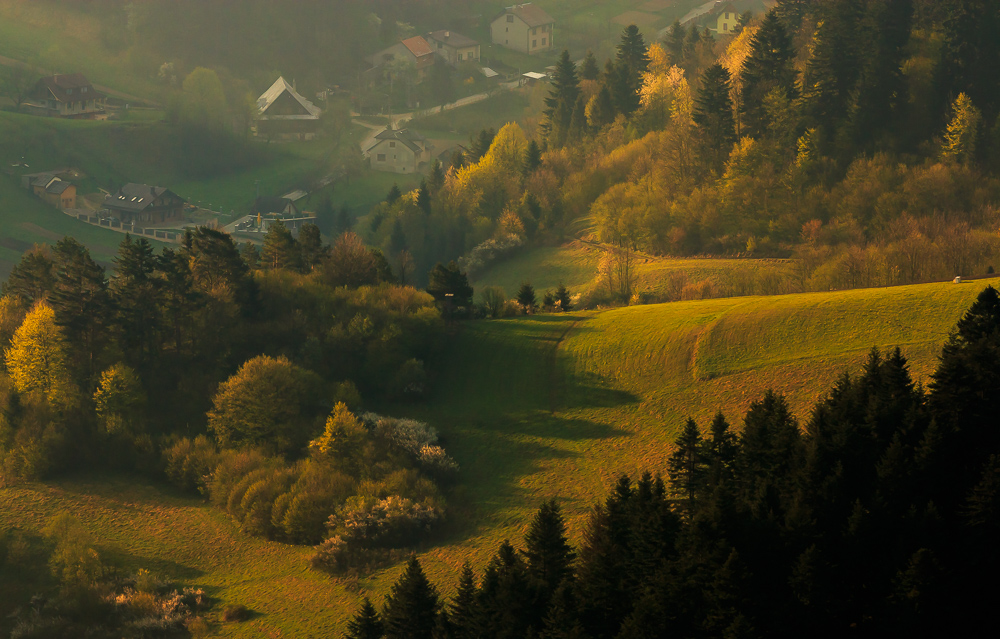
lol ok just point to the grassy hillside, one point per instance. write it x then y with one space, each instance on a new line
575 265
550 405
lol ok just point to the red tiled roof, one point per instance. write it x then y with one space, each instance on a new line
418 46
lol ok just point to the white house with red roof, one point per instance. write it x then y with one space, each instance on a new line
415 51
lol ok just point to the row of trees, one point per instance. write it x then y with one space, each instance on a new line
877 517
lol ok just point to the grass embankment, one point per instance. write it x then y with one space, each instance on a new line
532 408
575 265
469 120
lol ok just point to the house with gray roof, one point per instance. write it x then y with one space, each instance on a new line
453 47
66 95
523 27
283 114
145 205
399 151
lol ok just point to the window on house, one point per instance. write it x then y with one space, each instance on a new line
392 145
69 91
534 31
380 157
543 42
534 43
83 90
459 57
510 18
725 27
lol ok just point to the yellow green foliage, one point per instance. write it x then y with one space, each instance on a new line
36 359
342 440
960 138
74 560
119 400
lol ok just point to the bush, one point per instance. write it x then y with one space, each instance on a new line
410 381
190 463
235 612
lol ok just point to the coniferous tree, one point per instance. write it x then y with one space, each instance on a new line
344 222
411 608
970 55
436 179
713 114
720 451
686 466
448 284
393 194
31 279
675 42
136 295
792 13
769 67
463 612
480 145
631 62
561 100
578 121
532 159
311 247
562 298
547 551
366 624
562 620
526 298
280 250
251 255
81 303
424 197
589 69
601 109
833 69
506 599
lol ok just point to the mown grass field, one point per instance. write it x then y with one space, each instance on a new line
532 408
575 263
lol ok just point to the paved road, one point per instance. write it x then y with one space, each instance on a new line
399 118
11 62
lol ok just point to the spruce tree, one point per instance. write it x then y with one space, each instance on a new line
481 144
601 109
366 624
411 608
344 222
578 121
251 255
81 303
31 279
686 465
526 298
436 179
450 285
136 297
463 612
589 69
631 62
547 551
562 298
393 194
970 55
507 598
834 67
713 114
311 247
532 159
769 67
280 250
561 100
792 13
675 42
424 197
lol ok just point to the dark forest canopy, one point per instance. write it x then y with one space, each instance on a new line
876 517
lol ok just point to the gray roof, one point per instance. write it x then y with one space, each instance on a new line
269 204
406 136
57 187
280 86
452 39
135 197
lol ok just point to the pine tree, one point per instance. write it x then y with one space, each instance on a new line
366 623
311 246
601 109
464 611
507 598
344 222
393 194
411 608
578 121
280 250
480 145
631 62
960 138
675 42
81 303
562 298
449 285
720 451
560 102
769 67
686 466
251 255
562 620
33 278
834 67
532 159
589 69
713 114
436 179
424 198
970 55
526 298
548 553
136 300
791 13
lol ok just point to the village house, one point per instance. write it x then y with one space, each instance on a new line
283 114
266 211
523 27
50 188
726 22
65 96
399 151
144 204
454 48
415 51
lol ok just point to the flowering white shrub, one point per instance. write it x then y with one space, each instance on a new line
415 438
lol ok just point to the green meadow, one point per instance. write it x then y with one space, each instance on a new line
551 405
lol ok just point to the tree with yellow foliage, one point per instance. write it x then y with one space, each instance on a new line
343 440
37 358
960 137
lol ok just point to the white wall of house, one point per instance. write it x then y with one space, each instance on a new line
393 156
511 32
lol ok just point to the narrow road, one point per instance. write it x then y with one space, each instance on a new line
369 140
11 62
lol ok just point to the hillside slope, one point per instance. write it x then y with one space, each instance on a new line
532 408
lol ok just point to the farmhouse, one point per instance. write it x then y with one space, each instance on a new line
415 51
267 210
523 27
145 204
726 22
65 96
283 114
399 151
453 47
50 188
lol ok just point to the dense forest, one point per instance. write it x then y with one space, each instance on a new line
876 517
857 137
